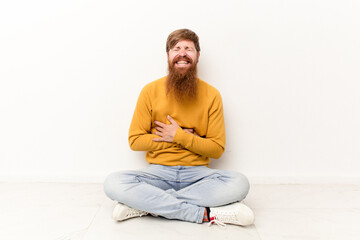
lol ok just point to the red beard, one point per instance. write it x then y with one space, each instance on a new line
182 83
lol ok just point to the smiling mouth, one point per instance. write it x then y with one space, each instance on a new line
182 62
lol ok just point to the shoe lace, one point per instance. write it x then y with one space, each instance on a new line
134 212
217 222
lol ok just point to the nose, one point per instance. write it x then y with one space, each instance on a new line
182 53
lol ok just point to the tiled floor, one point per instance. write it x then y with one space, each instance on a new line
60 211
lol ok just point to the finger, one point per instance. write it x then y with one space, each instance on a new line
172 121
160 123
161 140
158 140
190 130
159 134
159 128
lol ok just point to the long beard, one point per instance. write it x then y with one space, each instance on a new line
182 83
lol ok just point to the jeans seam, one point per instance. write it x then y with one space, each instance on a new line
151 178
186 189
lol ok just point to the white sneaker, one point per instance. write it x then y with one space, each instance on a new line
236 213
122 212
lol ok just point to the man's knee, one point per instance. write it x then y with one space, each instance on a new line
115 184
241 185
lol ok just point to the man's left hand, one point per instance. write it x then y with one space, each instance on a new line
166 132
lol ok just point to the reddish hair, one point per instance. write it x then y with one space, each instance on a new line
182 34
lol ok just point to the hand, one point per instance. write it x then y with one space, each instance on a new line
166 132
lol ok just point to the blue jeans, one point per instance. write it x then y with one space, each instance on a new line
176 192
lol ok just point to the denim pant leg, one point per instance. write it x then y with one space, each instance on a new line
147 190
203 186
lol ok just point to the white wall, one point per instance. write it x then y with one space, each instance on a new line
288 71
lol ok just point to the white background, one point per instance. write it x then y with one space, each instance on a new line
288 72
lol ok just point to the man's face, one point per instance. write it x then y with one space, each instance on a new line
183 55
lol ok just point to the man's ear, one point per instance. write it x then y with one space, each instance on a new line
198 56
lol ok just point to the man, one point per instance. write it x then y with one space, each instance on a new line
179 122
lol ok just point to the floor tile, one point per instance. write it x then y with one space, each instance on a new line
308 224
47 211
304 196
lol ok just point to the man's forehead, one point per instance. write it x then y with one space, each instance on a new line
185 42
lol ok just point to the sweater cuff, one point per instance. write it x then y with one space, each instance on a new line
183 138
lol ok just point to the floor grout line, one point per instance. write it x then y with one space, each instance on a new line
93 218
257 232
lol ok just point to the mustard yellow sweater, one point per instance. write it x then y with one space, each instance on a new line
205 116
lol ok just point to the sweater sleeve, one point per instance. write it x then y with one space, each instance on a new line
213 145
140 136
